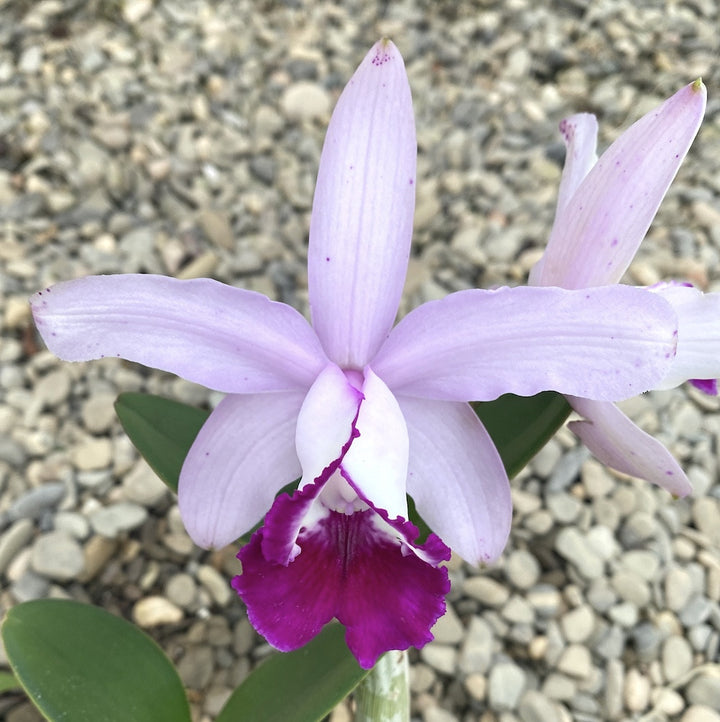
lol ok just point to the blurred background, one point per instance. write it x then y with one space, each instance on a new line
183 138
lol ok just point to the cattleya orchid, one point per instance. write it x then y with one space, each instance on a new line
605 208
363 412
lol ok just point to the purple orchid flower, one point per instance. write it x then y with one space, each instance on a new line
605 208
362 411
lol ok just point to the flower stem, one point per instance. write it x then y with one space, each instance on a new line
384 695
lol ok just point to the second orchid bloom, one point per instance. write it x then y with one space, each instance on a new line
605 207
363 412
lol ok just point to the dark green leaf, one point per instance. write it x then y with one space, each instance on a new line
162 430
423 529
81 663
300 686
521 425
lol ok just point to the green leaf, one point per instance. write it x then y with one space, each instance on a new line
8 682
81 663
299 686
162 430
521 425
423 529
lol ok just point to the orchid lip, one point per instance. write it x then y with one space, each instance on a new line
386 597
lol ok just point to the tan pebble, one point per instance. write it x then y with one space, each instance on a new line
637 691
200 267
575 661
305 100
154 611
17 312
135 10
476 685
538 647
667 701
341 713
92 454
700 713
98 551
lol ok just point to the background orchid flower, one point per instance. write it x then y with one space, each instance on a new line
605 208
364 413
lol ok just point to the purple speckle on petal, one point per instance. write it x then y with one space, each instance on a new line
327 258
381 57
567 129
614 243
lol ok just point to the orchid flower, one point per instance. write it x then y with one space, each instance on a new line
363 412
605 208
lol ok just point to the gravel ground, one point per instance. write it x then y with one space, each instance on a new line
183 138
